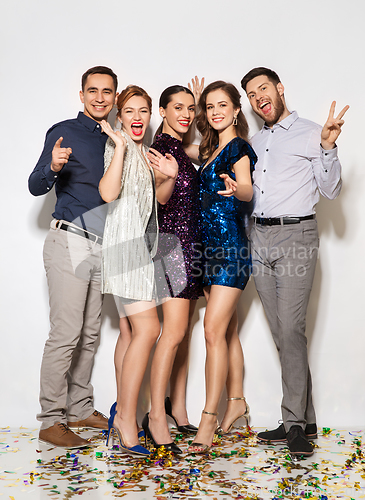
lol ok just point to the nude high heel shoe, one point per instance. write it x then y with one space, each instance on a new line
244 415
203 447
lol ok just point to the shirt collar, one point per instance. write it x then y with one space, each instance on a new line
286 123
88 122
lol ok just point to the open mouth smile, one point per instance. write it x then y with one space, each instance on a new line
137 128
265 107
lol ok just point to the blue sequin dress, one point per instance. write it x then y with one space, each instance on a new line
226 249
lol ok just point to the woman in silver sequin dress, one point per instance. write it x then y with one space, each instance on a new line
129 244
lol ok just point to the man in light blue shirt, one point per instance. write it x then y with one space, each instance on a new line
297 161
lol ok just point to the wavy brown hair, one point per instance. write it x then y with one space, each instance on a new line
210 137
128 93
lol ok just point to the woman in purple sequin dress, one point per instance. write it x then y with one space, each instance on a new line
178 270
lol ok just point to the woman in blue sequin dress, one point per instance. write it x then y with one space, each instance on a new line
225 189
178 270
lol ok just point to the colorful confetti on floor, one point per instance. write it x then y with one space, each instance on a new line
236 467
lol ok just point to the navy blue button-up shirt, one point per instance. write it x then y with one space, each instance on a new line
77 183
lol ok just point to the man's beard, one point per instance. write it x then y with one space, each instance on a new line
278 108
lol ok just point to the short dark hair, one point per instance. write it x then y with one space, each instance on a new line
99 70
271 75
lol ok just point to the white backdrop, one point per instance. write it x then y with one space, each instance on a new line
315 48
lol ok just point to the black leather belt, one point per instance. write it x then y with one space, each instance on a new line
80 232
278 221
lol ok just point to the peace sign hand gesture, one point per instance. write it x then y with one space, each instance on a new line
332 128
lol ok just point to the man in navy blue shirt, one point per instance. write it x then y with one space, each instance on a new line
73 161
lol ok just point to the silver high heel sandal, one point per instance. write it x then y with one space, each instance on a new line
245 415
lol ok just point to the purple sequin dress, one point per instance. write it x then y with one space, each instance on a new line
178 260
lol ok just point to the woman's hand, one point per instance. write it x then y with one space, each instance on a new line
230 184
167 164
197 88
117 137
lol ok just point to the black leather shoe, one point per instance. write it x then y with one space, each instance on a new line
147 434
298 442
279 435
185 429
311 431
275 436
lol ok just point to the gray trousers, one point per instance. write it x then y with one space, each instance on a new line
73 267
284 260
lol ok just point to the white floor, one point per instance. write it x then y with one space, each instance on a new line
237 467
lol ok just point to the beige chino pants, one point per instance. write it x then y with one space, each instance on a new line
73 269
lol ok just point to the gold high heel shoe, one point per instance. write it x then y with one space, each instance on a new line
204 447
245 415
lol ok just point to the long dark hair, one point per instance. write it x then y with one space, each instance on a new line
210 137
165 98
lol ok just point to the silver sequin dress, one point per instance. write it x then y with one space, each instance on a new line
128 248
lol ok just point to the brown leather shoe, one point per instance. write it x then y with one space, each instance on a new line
61 435
96 421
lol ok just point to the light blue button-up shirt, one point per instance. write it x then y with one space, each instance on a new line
293 169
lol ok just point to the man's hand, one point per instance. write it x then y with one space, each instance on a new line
60 156
332 128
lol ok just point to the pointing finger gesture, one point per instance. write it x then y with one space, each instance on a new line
332 128
60 156
230 184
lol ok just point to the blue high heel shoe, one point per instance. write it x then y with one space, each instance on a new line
113 411
135 450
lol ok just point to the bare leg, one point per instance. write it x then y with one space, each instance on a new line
221 304
175 326
179 374
234 383
145 331
123 341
